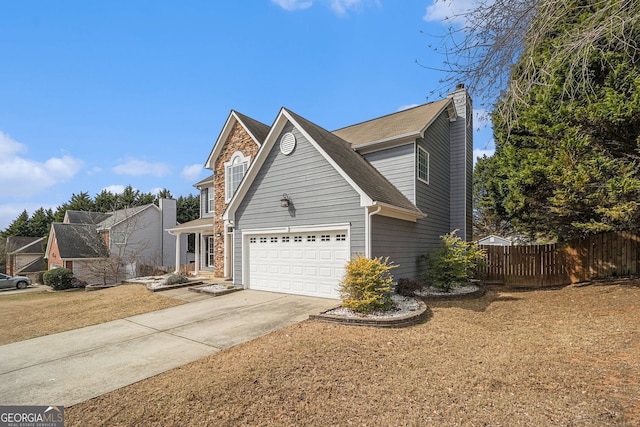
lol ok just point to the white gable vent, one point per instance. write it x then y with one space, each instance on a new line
287 143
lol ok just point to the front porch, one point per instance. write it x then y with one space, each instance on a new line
203 248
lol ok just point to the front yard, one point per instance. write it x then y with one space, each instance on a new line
554 357
34 314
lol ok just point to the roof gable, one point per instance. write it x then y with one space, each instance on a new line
258 132
360 174
78 241
122 215
24 245
409 123
84 217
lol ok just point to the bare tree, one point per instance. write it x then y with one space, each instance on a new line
483 44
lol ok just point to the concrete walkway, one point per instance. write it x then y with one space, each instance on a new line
73 366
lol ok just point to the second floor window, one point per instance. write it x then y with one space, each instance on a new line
234 171
210 200
423 165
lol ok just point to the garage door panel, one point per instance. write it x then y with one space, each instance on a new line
301 263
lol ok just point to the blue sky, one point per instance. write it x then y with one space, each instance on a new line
97 95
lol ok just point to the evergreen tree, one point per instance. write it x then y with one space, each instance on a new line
106 201
19 227
40 222
188 208
565 167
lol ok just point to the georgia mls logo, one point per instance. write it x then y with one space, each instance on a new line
31 416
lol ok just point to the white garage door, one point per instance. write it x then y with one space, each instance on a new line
299 263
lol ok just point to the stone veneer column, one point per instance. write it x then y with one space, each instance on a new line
238 140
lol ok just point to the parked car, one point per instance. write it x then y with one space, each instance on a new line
19 282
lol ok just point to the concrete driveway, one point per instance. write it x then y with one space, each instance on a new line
73 366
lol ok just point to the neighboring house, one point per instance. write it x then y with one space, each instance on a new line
117 244
494 240
293 201
25 256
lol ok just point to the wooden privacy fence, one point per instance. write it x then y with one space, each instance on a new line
595 257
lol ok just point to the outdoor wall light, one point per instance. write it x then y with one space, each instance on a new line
285 201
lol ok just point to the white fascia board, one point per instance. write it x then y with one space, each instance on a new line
254 167
365 200
435 116
191 229
298 229
399 213
224 134
383 144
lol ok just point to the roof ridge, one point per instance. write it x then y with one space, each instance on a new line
390 114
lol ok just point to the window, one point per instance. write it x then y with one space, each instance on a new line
234 170
423 165
263 240
325 238
252 240
285 239
210 198
297 238
311 238
118 238
341 237
274 240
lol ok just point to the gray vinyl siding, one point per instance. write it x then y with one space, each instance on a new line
462 168
433 198
396 239
396 164
318 193
404 241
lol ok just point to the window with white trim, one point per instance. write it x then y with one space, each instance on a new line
252 240
118 238
234 170
325 238
285 239
341 237
210 199
423 165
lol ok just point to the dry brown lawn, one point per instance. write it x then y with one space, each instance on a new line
568 357
34 314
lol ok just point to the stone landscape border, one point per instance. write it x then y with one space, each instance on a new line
418 316
451 297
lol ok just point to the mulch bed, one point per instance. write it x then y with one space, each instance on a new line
509 358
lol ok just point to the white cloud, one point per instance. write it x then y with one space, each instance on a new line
481 118
140 167
449 11
114 189
24 177
192 173
406 107
477 153
340 7
94 170
291 5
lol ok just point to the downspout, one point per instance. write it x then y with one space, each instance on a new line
368 225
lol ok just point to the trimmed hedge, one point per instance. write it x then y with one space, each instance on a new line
58 278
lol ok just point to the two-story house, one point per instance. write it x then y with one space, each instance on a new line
113 246
293 202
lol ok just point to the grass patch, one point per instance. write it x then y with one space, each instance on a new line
34 314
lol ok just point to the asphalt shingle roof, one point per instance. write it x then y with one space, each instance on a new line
120 215
79 241
407 122
258 129
27 245
86 217
372 182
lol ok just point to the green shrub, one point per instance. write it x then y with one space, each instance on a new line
58 278
40 278
367 284
455 262
175 279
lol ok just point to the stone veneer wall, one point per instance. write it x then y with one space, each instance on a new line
238 140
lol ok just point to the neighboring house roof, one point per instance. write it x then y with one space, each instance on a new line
365 176
85 217
258 132
35 266
79 241
493 239
409 123
121 215
24 245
